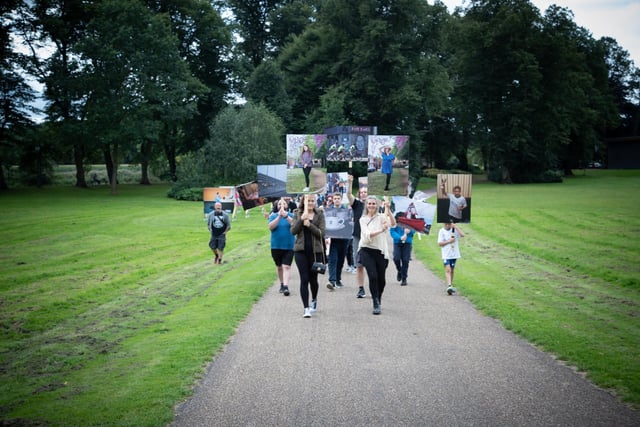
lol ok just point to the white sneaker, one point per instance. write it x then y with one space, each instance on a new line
305 189
314 306
307 312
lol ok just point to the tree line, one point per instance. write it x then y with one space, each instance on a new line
500 86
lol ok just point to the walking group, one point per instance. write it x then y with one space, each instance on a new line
299 232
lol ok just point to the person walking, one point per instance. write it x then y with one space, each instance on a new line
402 244
282 243
306 159
388 159
357 207
337 250
219 224
308 227
448 237
375 247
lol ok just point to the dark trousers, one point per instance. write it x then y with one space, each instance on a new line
350 260
401 257
308 278
306 172
376 265
337 253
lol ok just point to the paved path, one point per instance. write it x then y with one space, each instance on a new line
427 360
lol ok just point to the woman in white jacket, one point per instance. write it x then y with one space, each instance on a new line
375 247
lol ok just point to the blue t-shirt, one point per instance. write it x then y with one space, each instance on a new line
281 237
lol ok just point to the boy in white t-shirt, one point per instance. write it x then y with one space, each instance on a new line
448 242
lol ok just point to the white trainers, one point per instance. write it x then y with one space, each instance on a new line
307 312
314 306
305 189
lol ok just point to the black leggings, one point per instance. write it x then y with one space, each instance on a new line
376 265
306 171
308 278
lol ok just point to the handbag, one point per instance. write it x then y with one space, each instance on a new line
320 267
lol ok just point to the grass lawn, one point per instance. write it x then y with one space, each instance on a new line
112 306
558 265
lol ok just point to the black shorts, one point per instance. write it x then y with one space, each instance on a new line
218 242
282 256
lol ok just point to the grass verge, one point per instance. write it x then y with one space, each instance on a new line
557 264
112 307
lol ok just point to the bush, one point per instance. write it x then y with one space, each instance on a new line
193 194
190 177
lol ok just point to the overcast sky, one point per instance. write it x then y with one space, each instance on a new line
619 19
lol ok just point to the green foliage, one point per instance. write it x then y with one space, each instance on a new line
243 137
266 85
191 175
532 88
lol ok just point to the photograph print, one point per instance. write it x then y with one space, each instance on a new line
454 198
388 165
306 172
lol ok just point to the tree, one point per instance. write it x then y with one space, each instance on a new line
243 137
137 80
624 83
16 97
58 24
266 85
530 87
205 45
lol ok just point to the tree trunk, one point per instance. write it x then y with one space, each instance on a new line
145 150
108 163
170 152
462 155
78 158
3 179
114 170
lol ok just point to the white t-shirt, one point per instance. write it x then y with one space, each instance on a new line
456 204
450 250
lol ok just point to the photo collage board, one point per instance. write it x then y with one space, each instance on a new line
320 164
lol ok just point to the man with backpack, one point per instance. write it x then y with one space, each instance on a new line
218 223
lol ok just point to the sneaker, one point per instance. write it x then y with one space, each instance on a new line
354 269
404 283
314 306
398 277
307 312
376 307
281 288
339 285
286 291
331 285
361 293
451 290
305 189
